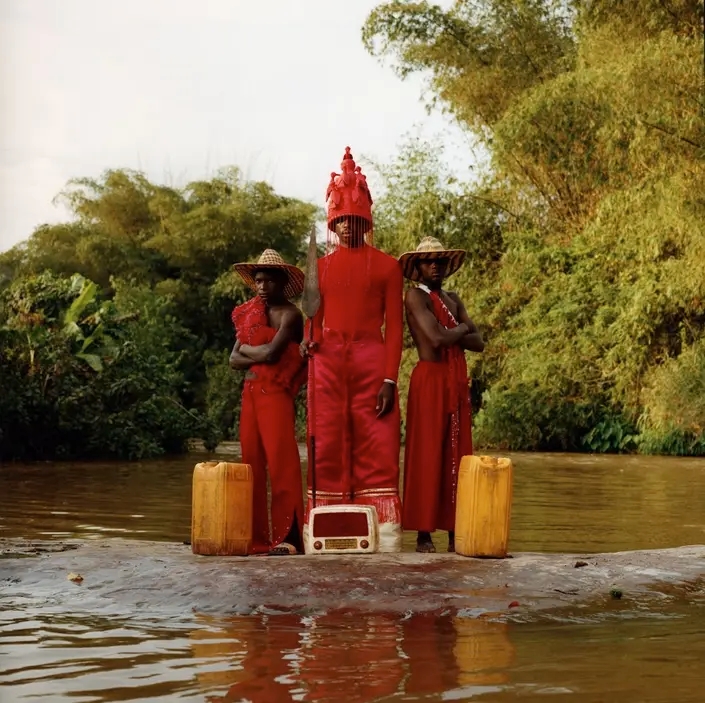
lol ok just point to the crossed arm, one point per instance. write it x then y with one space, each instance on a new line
239 361
243 356
472 341
419 310
465 334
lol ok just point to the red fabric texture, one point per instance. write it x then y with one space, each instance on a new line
362 291
454 356
252 327
430 467
438 435
357 454
267 429
348 192
268 442
357 662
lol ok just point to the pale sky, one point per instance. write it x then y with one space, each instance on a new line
180 88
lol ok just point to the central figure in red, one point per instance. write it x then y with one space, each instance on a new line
357 344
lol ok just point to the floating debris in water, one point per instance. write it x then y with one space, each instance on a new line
76 578
580 564
616 593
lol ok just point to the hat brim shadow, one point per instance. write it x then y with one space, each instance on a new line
295 277
409 260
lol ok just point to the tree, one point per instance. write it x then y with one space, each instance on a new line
593 114
175 245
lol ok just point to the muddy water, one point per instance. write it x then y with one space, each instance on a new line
621 651
562 503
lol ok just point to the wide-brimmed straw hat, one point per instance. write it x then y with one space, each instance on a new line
271 259
429 249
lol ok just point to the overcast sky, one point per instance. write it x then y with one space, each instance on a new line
179 88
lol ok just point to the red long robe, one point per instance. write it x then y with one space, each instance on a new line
357 454
267 429
438 434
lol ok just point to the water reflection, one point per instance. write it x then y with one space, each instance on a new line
562 503
483 652
622 656
356 658
431 659
49 657
357 654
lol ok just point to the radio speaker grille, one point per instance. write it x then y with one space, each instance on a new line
340 525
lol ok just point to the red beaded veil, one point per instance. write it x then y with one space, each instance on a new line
348 199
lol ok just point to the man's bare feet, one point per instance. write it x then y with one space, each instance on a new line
451 541
424 543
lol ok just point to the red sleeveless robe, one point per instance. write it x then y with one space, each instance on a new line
438 434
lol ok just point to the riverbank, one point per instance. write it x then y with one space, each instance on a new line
231 449
162 578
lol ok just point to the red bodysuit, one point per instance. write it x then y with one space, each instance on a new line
357 454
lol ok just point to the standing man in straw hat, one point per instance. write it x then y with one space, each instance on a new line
438 424
269 329
356 423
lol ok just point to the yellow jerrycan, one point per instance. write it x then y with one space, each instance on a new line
483 506
221 509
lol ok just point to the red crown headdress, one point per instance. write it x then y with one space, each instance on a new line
348 194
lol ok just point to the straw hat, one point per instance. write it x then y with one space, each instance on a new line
271 259
429 249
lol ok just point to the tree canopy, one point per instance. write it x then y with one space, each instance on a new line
585 238
116 325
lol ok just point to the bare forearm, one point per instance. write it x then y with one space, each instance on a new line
261 354
473 342
450 337
239 362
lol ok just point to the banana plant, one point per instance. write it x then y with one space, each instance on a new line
98 344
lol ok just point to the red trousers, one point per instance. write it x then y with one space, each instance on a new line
268 440
430 478
357 454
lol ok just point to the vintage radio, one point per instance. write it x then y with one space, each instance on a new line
342 529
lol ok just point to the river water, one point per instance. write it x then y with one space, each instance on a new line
627 651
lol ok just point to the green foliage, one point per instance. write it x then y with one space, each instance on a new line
481 56
90 377
586 262
673 419
586 247
117 324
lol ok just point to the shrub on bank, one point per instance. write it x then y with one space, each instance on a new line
83 376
